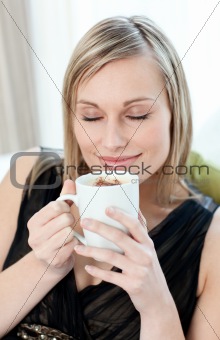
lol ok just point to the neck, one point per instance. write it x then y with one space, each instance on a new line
151 208
148 191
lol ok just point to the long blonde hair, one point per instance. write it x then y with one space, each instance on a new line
118 38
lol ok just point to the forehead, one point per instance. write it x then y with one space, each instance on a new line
135 76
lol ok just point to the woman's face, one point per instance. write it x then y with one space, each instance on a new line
122 117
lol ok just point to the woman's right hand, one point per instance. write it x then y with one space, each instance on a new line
51 236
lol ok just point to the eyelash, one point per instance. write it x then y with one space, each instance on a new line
139 117
87 119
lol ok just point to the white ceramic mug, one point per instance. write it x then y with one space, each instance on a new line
92 201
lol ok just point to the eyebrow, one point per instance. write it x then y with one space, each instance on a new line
126 103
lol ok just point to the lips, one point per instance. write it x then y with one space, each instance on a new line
124 161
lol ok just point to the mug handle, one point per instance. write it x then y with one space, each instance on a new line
74 199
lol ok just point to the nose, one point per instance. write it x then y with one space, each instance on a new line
114 137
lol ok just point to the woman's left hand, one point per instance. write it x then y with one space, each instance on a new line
142 277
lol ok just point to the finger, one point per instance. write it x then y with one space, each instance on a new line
53 255
131 223
105 255
118 279
135 251
57 224
69 187
62 255
38 236
47 213
61 238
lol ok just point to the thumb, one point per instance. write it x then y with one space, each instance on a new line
69 187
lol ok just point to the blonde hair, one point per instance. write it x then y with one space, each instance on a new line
119 38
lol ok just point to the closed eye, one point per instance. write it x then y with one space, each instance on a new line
87 119
139 117
94 119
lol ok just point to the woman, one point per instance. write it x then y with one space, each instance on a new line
126 103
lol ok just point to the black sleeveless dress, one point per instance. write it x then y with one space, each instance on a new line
105 311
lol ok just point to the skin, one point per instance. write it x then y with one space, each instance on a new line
117 133
19 296
51 258
111 134
113 98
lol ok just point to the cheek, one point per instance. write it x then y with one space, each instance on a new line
162 144
84 130
155 140
154 137
163 135
86 138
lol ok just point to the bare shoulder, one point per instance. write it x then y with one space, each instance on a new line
205 323
214 230
10 200
211 251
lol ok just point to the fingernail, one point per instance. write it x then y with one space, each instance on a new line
111 210
86 222
88 268
79 248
